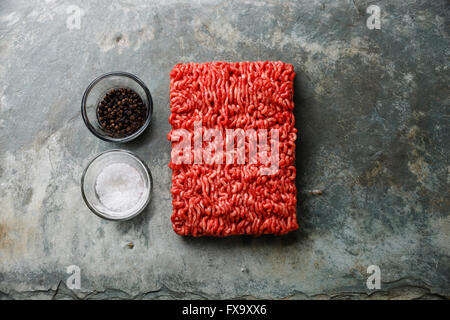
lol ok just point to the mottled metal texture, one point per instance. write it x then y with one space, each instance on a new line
372 109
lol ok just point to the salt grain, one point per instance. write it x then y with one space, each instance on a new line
119 187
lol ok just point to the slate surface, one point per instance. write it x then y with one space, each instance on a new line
372 108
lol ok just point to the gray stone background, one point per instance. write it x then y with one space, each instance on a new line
372 109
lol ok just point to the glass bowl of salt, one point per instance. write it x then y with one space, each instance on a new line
116 185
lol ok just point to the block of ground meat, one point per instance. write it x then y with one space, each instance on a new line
220 113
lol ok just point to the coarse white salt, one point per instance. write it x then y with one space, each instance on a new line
119 187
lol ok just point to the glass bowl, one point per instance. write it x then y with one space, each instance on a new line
89 179
96 91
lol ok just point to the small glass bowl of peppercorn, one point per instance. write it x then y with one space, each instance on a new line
117 107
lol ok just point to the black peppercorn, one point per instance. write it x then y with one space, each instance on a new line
121 112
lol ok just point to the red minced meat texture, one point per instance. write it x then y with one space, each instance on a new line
234 199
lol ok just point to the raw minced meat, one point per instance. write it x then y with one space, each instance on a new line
220 199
